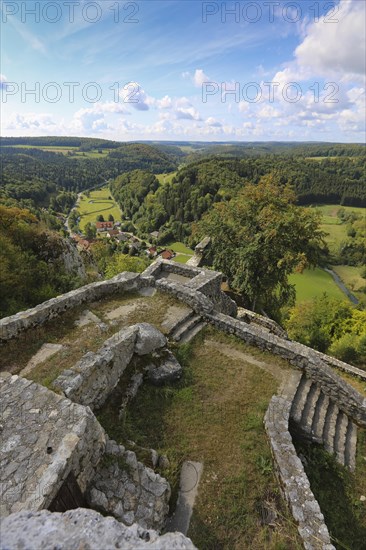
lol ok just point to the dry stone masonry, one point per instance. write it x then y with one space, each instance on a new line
44 437
82 528
47 437
128 490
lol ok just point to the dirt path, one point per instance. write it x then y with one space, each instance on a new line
232 353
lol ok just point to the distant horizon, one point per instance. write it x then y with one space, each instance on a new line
171 70
231 142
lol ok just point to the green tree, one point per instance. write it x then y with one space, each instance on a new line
111 218
125 262
100 218
330 325
90 231
259 238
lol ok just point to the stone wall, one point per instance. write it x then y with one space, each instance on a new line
128 490
81 528
202 284
293 479
44 437
12 326
314 364
94 377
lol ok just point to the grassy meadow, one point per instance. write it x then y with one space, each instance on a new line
66 150
313 283
165 178
100 201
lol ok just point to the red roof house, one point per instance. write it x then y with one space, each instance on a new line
167 254
104 226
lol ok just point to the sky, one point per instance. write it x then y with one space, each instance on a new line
184 70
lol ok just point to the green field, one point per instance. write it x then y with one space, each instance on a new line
100 201
181 259
336 231
313 283
65 150
165 178
350 275
180 248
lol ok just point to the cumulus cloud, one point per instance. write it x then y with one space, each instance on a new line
135 96
189 113
211 121
200 77
164 103
93 118
31 121
336 46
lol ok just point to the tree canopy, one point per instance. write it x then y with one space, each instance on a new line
259 238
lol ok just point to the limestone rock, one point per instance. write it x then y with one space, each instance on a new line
81 528
168 370
149 339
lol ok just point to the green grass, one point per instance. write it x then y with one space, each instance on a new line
214 415
350 275
165 178
180 248
338 493
337 232
181 259
101 204
65 150
313 283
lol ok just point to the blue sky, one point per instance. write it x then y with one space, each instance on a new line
184 70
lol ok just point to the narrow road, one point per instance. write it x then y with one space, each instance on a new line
66 224
338 281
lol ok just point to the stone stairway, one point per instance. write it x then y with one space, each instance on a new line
320 419
187 328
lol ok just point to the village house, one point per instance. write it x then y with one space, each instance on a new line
152 251
167 254
113 233
103 226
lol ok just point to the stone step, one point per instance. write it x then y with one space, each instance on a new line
310 407
330 426
290 384
321 409
190 334
185 327
180 322
351 446
340 437
300 399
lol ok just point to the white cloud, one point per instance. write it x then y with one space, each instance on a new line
164 103
200 77
267 111
30 121
187 114
213 122
93 118
135 96
336 47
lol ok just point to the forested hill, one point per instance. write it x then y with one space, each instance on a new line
172 207
36 263
31 174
